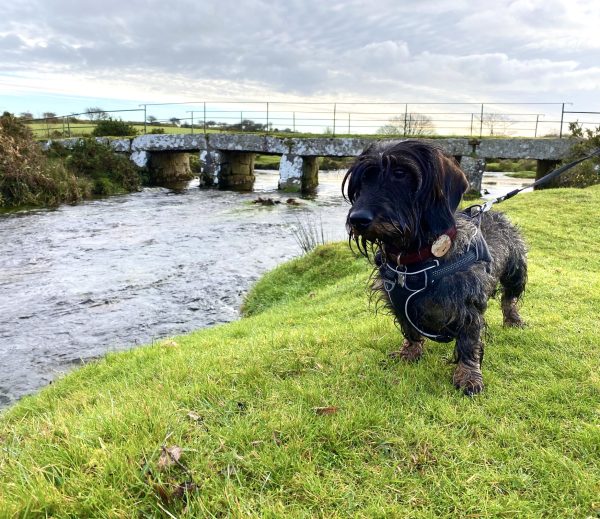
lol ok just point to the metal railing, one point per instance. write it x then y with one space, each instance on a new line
322 118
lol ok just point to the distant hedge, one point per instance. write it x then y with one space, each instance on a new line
113 128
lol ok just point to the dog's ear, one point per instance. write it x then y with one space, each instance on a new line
455 183
449 185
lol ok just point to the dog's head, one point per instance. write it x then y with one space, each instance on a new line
403 194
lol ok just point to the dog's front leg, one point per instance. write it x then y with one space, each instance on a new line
412 349
469 353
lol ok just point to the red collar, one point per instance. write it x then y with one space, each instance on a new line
424 253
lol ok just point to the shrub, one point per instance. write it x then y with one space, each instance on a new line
113 128
109 172
157 131
27 177
588 172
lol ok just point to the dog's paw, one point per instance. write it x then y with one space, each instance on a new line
512 319
468 378
514 322
410 352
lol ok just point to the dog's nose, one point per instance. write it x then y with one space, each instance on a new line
360 218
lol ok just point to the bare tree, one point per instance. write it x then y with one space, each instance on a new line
95 113
496 124
413 124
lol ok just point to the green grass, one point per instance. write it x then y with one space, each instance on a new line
267 161
398 440
522 174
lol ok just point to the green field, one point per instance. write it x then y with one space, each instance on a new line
297 410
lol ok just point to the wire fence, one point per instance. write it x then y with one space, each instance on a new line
320 118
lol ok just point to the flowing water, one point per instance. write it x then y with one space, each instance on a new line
107 275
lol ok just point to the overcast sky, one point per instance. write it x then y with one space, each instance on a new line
65 55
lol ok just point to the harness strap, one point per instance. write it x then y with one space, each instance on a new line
403 285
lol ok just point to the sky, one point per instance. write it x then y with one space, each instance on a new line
66 55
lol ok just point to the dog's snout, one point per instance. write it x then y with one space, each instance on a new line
360 218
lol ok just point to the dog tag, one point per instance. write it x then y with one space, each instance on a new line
401 278
440 246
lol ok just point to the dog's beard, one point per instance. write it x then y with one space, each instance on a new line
391 235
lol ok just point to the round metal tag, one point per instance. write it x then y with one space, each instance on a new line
440 246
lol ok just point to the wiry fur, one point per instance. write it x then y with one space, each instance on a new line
404 195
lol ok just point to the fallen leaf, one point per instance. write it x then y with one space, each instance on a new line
169 456
277 438
186 487
195 417
323 411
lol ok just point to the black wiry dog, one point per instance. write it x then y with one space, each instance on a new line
436 268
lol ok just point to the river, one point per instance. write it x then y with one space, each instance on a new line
107 275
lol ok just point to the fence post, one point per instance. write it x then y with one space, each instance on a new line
348 123
562 118
267 117
537 119
204 114
192 112
405 120
334 115
481 122
145 119
294 122
472 117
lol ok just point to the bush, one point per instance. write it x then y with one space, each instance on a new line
113 128
109 172
156 131
27 177
588 172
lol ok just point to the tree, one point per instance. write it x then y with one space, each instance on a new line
151 119
26 116
247 125
174 121
414 124
49 115
95 113
497 124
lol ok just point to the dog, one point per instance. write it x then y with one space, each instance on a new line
435 268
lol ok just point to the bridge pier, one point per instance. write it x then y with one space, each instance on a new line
211 167
543 167
170 169
474 169
237 170
298 173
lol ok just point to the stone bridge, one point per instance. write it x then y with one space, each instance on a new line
228 159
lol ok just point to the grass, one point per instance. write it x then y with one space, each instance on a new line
522 174
267 161
297 411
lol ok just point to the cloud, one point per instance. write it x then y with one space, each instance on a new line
431 50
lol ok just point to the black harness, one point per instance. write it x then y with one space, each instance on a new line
406 284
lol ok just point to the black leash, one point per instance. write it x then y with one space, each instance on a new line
546 178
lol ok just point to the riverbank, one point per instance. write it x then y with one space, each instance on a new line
297 410
31 178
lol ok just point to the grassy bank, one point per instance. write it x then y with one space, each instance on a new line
297 411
